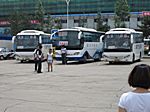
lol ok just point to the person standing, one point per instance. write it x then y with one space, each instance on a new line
64 54
50 60
35 58
39 58
137 100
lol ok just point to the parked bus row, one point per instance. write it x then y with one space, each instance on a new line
119 44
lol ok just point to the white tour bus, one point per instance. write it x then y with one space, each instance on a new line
81 44
26 41
123 44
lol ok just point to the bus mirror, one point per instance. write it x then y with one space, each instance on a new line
54 35
101 38
132 39
13 37
79 35
51 36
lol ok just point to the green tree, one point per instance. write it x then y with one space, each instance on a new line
48 24
81 22
52 23
58 24
122 13
100 25
39 15
145 26
19 21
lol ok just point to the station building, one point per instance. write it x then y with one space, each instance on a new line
77 10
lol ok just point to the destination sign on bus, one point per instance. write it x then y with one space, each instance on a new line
63 43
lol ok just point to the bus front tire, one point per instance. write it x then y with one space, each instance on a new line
110 62
99 57
2 58
84 58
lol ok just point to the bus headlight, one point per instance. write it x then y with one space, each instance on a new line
76 53
127 56
105 56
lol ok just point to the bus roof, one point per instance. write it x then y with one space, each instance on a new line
146 39
32 32
85 29
81 29
122 30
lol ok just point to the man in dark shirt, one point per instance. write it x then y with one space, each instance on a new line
39 58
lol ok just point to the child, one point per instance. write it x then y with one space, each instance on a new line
50 60
137 100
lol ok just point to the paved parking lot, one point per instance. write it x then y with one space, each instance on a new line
90 87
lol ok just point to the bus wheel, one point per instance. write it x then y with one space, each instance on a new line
110 62
21 61
85 58
2 58
98 57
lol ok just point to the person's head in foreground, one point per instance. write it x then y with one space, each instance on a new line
137 100
140 76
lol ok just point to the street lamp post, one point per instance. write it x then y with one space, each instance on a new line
67 1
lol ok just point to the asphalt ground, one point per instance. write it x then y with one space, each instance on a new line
75 87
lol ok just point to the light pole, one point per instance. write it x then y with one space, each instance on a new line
67 1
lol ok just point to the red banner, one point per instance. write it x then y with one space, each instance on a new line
4 23
146 13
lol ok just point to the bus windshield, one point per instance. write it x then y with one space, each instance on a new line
67 38
26 41
117 41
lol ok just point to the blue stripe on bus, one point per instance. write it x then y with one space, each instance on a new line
5 37
70 58
99 53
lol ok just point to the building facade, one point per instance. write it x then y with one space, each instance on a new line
78 10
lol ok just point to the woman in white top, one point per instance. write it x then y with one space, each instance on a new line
50 60
137 100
